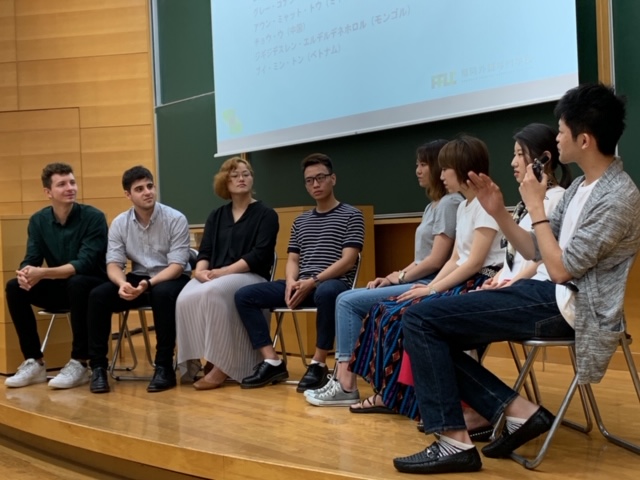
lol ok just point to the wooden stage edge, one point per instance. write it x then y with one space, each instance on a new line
272 433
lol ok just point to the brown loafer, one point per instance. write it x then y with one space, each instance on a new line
203 384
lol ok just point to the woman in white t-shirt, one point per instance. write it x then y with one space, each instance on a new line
533 141
476 256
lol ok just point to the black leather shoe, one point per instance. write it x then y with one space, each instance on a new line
430 461
163 379
315 377
264 374
99 381
536 425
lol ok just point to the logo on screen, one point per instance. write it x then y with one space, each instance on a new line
443 79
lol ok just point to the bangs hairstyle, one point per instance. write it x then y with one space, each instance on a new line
465 154
428 153
221 179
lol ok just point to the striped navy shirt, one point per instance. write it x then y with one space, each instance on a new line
319 239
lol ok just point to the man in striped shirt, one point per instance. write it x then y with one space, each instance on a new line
322 255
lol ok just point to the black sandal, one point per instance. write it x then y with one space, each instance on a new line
368 406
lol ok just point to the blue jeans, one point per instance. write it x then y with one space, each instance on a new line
252 299
436 333
351 308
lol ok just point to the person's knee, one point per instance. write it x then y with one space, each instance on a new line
12 287
328 292
413 318
103 294
79 285
244 296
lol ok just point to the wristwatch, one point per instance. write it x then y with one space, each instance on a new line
316 280
401 276
433 291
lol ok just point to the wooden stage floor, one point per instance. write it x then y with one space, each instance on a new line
272 433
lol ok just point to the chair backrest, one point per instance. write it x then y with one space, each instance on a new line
355 277
273 266
193 258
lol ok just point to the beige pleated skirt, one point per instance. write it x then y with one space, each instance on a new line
208 325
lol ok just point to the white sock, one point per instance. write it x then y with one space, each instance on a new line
449 446
514 423
274 362
319 363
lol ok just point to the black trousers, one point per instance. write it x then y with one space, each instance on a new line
71 293
105 300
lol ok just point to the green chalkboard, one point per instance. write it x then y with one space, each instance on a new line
626 18
375 168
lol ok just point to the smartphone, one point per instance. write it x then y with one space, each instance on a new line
538 165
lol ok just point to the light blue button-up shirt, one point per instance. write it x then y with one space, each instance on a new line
153 248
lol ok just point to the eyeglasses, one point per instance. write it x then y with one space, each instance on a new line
236 176
320 178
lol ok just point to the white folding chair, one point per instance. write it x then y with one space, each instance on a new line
54 315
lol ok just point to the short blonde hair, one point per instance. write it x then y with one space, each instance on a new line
221 179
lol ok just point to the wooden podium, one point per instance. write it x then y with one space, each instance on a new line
13 244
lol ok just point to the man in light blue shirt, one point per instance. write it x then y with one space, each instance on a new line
155 238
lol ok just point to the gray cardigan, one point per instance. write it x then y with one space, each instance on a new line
599 257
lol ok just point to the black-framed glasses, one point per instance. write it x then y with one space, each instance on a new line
320 178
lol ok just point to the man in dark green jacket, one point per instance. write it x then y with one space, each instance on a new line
72 240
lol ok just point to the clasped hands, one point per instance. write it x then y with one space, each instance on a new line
29 276
129 292
296 291
204 276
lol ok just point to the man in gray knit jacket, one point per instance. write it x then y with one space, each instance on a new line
587 245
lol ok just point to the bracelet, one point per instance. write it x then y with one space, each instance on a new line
546 220
148 284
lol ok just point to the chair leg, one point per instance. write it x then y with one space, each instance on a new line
279 336
583 400
124 331
635 448
145 336
531 464
303 355
46 336
522 376
535 396
559 419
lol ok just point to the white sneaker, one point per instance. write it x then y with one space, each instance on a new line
29 372
334 396
73 374
326 387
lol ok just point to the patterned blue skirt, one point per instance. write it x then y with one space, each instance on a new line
378 353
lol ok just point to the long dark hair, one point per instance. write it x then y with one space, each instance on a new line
537 138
